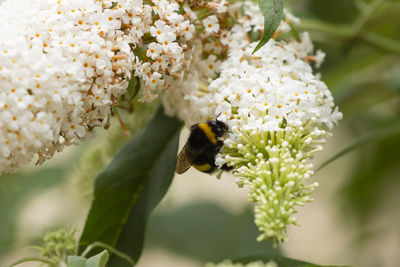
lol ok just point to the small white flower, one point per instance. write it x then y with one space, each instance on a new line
222 7
159 29
166 38
160 64
154 50
319 58
210 67
211 24
154 79
186 29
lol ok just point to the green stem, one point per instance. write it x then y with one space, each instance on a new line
360 4
111 249
374 136
325 27
381 42
27 259
294 31
364 16
346 32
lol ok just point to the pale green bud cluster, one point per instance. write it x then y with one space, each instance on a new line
58 245
273 164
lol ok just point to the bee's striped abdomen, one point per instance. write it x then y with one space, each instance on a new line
205 162
206 167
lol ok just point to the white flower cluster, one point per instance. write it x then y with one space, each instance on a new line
279 113
166 41
229 263
65 63
62 65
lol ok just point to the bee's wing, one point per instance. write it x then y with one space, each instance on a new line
186 158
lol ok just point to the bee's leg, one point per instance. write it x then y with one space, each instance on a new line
222 169
219 174
225 167
218 145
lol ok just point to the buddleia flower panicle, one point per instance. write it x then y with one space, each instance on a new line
278 111
65 64
62 65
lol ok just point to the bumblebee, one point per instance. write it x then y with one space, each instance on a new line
201 147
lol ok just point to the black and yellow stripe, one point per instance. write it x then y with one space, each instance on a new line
202 146
208 131
204 167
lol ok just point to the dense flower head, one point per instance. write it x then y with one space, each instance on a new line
62 64
65 64
163 45
279 113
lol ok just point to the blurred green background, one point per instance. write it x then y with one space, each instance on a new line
355 217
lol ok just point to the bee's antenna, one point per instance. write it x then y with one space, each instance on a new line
218 115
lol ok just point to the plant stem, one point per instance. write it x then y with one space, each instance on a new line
27 259
121 122
326 27
360 5
381 42
364 16
346 32
374 136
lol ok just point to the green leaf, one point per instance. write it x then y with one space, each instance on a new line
133 87
371 137
272 11
131 186
280 261
99 152
206 221
76 261
111 249
98 260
